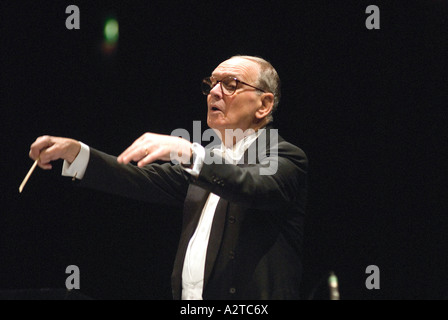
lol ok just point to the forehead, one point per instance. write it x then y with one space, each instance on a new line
240 68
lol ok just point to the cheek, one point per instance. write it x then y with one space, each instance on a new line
244 108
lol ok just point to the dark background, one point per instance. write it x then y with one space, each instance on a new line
368 108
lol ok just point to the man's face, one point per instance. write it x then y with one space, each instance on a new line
237 111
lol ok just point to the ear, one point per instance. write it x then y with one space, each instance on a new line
267 103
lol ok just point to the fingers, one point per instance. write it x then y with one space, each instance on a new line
130 153
49 154
151 147
47 149
173 149
36 149
135 152
151 157
40 144
141 148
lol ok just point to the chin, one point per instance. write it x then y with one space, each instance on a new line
215 124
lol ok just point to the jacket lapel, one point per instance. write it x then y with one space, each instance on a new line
194 203
216 234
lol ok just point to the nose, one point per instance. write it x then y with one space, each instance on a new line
216 91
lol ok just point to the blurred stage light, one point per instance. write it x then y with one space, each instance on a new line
111 34
111 31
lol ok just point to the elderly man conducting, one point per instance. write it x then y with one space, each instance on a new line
242 230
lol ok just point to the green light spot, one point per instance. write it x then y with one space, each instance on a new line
111 31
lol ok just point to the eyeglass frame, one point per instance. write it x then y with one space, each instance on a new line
222 89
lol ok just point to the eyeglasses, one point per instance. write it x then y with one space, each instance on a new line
228 85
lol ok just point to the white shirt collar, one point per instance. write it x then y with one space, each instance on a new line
234 154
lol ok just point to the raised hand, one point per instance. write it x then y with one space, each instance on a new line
48 148
151 147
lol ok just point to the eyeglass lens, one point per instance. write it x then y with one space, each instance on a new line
228 85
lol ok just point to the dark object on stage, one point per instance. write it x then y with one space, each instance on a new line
42 294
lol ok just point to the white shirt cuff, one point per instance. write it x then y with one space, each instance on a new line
78 167
198 160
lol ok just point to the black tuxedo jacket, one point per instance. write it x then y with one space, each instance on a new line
254 250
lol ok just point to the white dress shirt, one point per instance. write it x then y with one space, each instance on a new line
194 263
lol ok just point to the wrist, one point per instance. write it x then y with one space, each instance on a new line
72 151
190 160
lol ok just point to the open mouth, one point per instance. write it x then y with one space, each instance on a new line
213 108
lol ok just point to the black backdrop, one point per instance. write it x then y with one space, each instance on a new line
368 108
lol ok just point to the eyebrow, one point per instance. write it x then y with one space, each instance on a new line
227 75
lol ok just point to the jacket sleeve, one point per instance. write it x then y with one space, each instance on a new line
275 181
157 183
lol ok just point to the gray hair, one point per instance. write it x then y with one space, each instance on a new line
268 79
